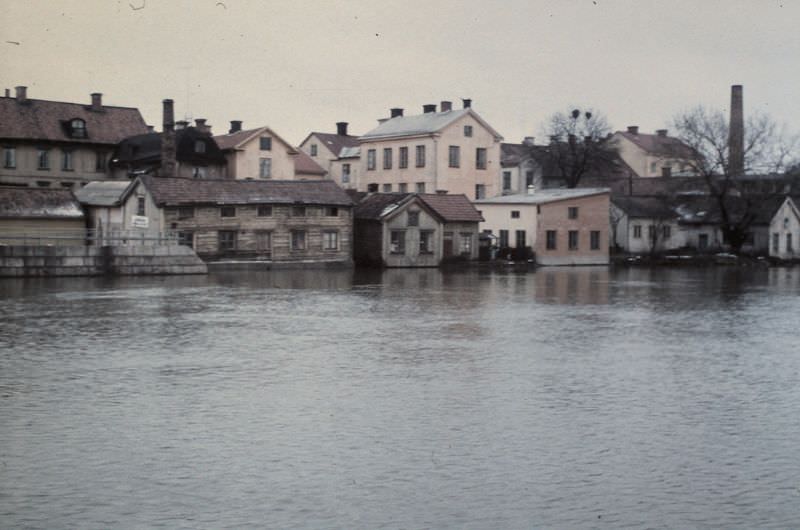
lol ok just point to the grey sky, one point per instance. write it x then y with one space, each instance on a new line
300 65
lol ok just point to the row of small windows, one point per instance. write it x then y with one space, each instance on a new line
188 212
453 160
666 231
551 239
402 187
397 242
43 159
228 240
529 180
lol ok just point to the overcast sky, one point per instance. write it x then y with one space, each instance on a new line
300 66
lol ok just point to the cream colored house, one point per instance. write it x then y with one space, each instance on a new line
654 155
785 230
560 226
257 154
336 153
452 150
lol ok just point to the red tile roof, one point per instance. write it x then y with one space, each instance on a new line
38 119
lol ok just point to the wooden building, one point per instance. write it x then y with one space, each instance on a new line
33 216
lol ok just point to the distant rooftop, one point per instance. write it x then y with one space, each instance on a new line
544 196
427 123
102 192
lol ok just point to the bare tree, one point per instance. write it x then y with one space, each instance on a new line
767 151
579 145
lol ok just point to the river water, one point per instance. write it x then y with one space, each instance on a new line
563 398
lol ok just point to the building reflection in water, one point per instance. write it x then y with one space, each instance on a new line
572 285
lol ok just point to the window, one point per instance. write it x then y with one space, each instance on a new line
480 158
43 183
594 240
515 214
298 240
420 156
637 231
43 159
387 188
99 161
666 231
227 211
573 239
572 212
466 243
330 240
331 211
503 238
420 187
77 128
265 168
776 242
702 241
199 146
789 243
264 211
141 206
413 218
298 211
467 130
426 242
226 240
66 161
265 143
506 181
387 158
402 187
550 242
186 239
397 242
652 167
9 157
67 184
372 188
651 232
454 156
345 172
528 178
313 149
480 191
520 238
370 159
403 162
185 212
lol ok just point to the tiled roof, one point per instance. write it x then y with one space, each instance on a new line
305 165
102 192
450 208
660 145
38 119
427 123
337 142
544 196
38 203
176 191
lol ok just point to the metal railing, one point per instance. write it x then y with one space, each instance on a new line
87 237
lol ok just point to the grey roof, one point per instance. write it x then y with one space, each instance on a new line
544 196
25 203
427 123
102 192
350 152
646 207
449 208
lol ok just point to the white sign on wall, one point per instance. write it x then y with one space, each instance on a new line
137 221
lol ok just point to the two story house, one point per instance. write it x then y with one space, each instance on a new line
450 151
57 144
654 155
337 154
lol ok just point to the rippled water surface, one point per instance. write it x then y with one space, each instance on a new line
565 398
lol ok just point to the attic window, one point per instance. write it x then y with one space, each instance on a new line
199 146
265 143
313 149
77 128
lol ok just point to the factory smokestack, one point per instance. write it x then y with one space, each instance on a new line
736 135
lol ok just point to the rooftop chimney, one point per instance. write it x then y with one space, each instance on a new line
528 140
168 161
446 106
427 109
661 132
236 126
467 103
8 93
341 128
200 125
97 101
22 94
181 124
396 112
736 135
633 129
531 189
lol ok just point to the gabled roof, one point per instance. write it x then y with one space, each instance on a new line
449 208
336 143
422 124
238 139
181 191
657 144
544 196
305 165
102 192
42 120
39 203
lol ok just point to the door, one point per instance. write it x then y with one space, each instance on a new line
264 243
447 250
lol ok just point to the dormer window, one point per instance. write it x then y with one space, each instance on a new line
265 143
199 146
77 128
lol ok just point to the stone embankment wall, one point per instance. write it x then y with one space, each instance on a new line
21 261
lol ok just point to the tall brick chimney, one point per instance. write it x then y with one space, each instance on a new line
97 101
168 154
236 126
341 128
22 94
736 134
467 103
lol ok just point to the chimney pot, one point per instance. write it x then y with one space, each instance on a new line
528 140
201 126
394 113
662 132
97 101
236 126
427 109
181 124
22 94
467 103
8 93
341 128
531 189
169 115
446 106
633 129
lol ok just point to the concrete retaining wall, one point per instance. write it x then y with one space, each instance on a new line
20 261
